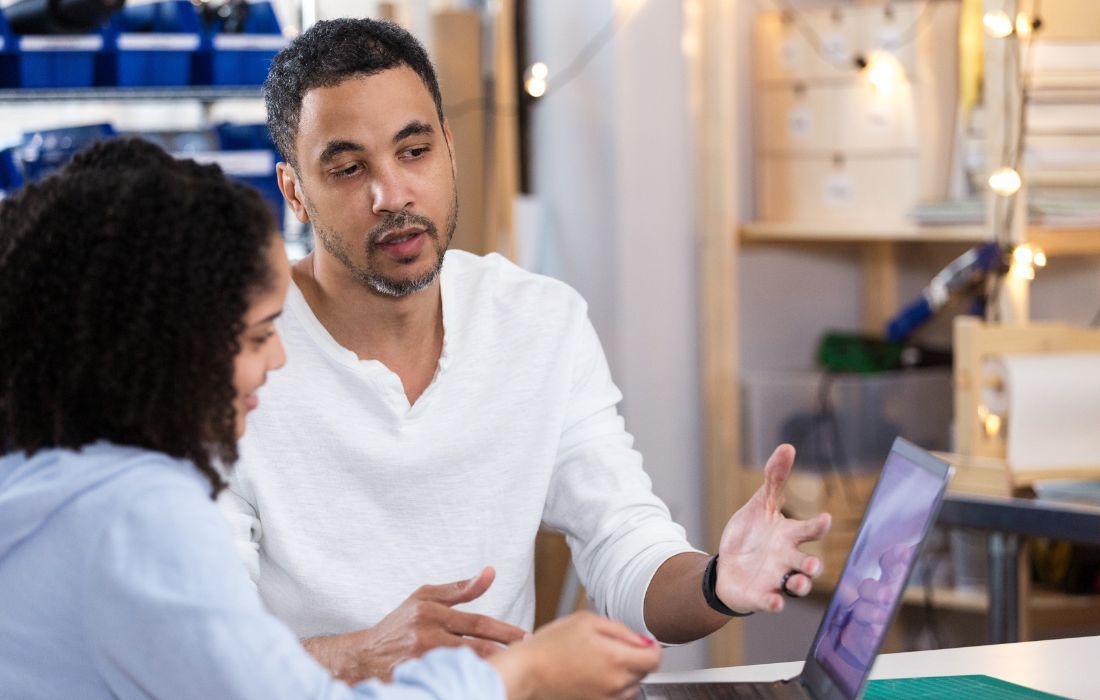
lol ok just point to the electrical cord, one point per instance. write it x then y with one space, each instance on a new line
858 59
574 68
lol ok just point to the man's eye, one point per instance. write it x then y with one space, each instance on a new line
346 172
416 151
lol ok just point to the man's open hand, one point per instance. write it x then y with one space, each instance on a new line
425 620
759 545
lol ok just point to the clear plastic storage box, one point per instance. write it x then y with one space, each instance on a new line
844 423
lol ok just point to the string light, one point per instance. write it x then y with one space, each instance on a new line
534 79
884 71
997 24
1005 181
989 420
1024 26
1025 258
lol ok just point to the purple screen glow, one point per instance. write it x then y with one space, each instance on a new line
874 577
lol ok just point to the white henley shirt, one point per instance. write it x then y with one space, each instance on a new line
346 498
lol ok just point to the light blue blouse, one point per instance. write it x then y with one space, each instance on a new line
118 578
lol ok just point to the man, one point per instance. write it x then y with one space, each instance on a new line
437 407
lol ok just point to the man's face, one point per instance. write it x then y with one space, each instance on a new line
376 178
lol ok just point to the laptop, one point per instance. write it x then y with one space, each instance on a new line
899 516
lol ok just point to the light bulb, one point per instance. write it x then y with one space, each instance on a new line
1005 181
1023 25
534 79
1023 272
884 71
1023 255
1040 258
536 87
997 24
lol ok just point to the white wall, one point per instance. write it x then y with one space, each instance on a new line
613 168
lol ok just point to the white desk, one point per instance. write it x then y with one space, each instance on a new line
1066 667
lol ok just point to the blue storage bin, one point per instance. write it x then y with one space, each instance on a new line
9 56
56 61
151 45
42 152
255 167
241 58
244 137
11 176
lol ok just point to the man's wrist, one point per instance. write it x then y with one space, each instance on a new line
710 593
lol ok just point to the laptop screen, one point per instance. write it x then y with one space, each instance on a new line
899 515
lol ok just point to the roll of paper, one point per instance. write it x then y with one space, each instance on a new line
1053 411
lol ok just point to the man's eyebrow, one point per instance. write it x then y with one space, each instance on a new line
335 148
413 128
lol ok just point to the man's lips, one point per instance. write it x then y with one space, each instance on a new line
396 237
404 245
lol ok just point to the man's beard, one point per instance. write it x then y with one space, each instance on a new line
372 278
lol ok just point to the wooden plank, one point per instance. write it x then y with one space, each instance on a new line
503 124
880 286
457 57
764 231
714 81
975 344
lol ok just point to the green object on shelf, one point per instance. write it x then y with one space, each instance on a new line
845 352
970 687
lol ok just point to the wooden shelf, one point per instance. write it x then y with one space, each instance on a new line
1066 241
1054 241
976 600
772 232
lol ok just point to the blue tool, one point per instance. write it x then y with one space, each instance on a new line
961 276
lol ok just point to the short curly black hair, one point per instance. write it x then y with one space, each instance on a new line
124 281
327 54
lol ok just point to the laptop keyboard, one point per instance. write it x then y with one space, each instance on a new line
723 691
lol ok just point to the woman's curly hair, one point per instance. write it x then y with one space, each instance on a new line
124 280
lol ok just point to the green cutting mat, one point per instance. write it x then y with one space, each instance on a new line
970 687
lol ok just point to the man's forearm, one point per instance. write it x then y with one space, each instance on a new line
675 609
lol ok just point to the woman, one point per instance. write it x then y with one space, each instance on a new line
137 303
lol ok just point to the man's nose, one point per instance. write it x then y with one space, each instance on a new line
391 192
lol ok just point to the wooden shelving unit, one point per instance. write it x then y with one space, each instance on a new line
724 230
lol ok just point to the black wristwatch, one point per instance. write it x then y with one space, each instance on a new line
710 579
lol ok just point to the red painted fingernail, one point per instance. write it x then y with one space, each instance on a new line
648 641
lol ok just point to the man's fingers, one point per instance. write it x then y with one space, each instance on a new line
776 471
477 626
772 602
457 591
811 530
481 647
800 584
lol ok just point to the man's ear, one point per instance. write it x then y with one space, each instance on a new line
292 191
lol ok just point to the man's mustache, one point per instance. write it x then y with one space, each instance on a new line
401 221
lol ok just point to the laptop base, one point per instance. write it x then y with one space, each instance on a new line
791 689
